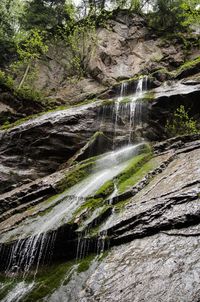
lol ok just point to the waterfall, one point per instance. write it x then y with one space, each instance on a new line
36 235
18 292
28 252
132 107
123 90
136 105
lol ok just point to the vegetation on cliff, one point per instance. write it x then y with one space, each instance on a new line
27 27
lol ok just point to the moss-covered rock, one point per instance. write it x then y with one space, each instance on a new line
75 175
188 68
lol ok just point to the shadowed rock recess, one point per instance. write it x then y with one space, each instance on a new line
98 203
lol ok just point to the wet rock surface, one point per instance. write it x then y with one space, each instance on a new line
40 146
37 147
164 100
163 267
158 236
147 235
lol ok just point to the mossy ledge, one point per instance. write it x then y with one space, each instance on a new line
188 68
98 200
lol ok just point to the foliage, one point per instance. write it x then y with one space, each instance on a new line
80 37
174 15
30 50
6 80
29 94
45 15
166 15
6 30
181 123
136 6
190 12
33 46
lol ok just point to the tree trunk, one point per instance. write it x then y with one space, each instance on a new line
24 76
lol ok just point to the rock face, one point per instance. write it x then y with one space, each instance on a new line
139 227
157 237
125 47
161 222
163 267
166 99
13 107
37 147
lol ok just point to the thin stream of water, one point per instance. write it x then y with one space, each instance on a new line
28 252
132 108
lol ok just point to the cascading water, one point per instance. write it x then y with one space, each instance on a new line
39 233
130 106
136 105
29 251
19 291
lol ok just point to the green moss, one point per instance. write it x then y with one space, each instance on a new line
30 117
94 231
84 264
90 204
120 205
105 190
135 164
107 102
78 173
48 279
148 97
8 285
163 72
103 255
137 175
188 65
174 74
133 79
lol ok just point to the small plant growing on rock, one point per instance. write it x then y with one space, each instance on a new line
180 123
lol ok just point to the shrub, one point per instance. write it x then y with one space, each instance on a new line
6 80
180 123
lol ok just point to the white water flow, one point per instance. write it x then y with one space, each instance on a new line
29 251
19 292
132 107
118 101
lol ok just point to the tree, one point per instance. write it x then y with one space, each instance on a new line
174 15
191 13
6 30
167 15
31 50
45 14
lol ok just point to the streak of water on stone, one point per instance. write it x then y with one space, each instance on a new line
131 108
28 252
19 292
